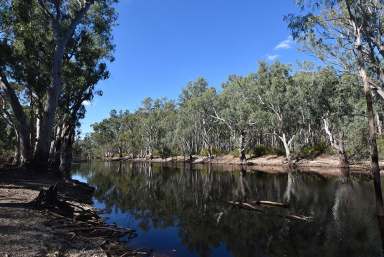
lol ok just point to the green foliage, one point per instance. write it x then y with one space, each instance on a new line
235 153
312 151
165 152
7 140
357 138
261 150
271 108
38 37
214 151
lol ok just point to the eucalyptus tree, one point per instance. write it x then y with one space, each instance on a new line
344 122
236 110
83 69
104 137
328 109
278 94
40 41
131 134
315 85
156 115
148 125
196 126
349 34
66 19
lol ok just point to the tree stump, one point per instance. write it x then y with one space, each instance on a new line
48 199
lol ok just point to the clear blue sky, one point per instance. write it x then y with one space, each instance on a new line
161 45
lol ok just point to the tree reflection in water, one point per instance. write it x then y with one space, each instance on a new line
178 208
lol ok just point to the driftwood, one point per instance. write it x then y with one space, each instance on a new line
75 222
248 206
271 204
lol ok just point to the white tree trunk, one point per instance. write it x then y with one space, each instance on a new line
287 146
379 124
337 144
45 130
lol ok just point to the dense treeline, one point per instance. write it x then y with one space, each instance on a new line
277 107
52 54
274 110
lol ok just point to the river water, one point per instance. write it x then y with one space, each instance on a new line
184 211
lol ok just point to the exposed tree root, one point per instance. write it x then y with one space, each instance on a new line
76 222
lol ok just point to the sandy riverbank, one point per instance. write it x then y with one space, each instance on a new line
27 231
323 164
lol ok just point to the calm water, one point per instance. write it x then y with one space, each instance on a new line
184 212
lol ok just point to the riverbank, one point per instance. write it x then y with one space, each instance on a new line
323 164
28 231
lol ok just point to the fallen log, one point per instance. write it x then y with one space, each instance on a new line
73 221
248 206
270 203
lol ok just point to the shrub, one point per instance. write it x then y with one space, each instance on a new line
165 152
261 150
312 151
235 153
205 151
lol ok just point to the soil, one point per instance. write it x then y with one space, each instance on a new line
326 165
27 231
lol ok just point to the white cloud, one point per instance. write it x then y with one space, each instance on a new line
285 44
272 57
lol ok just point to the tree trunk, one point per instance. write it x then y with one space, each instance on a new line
379 125
337 144
66 152
48 116
375 169
55 149
286 147
16 157
21 121
343 159
242 147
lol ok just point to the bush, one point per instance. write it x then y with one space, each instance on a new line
165 152
205 151
261 150
235 153
357 141
312 151
6 156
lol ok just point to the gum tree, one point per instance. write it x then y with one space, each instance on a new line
348 34
41 41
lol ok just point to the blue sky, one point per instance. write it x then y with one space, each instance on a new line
161 45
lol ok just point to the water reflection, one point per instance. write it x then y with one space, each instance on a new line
179 211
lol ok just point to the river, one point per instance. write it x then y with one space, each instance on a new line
184 211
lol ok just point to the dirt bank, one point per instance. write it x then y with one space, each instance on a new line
323 164
27 231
